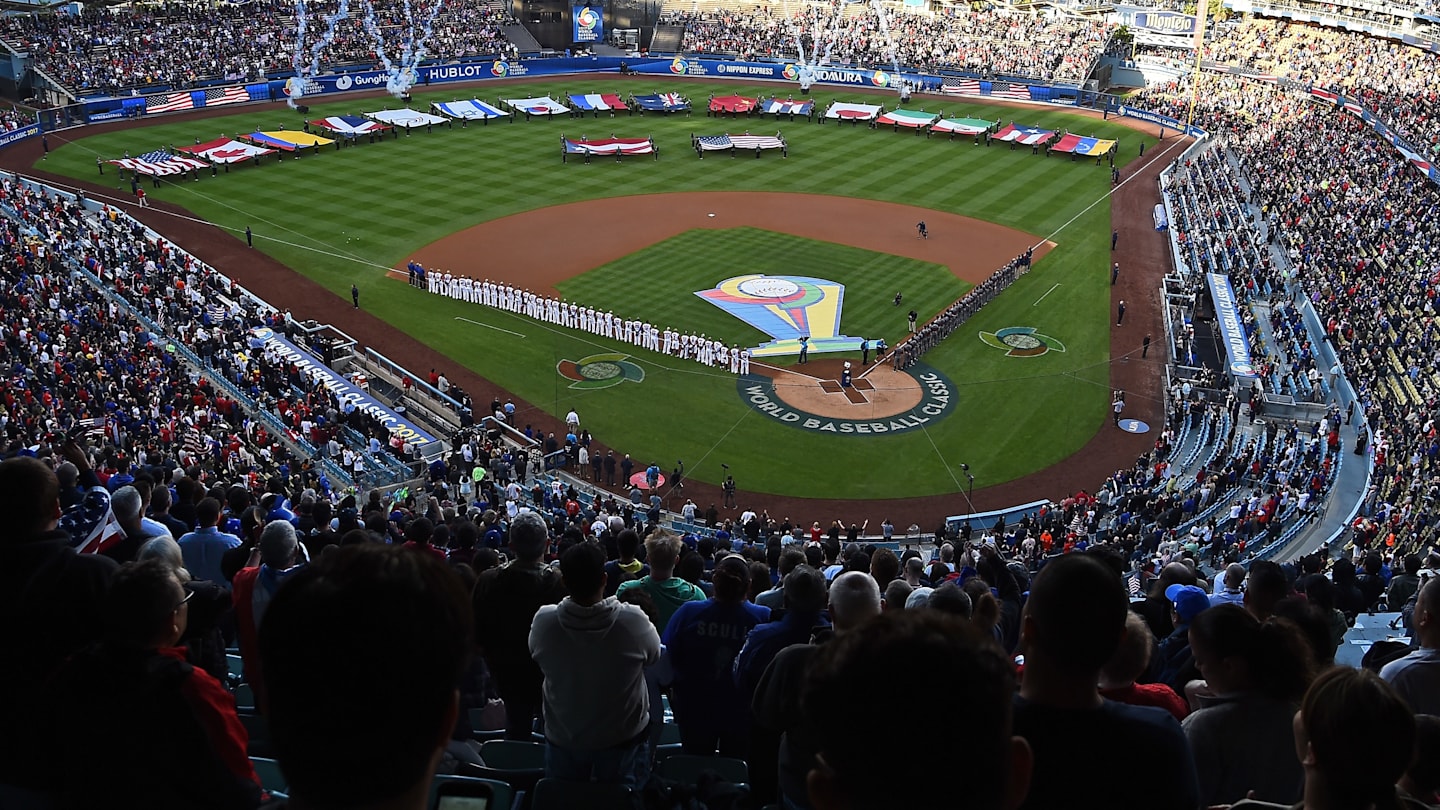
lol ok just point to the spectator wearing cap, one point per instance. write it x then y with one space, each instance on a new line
255 585
703 640
853 599
1131 659
804 593
854 770
177 739
1416 676
594 650
50 607
1174 664
1157 609
505 601
1073 622
627 566
204 547
667 591
1257 672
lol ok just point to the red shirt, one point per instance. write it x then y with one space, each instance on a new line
1149 694
214 709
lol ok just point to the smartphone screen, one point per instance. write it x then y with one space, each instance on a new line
462 803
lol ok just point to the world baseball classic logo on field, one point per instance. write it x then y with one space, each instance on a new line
786 308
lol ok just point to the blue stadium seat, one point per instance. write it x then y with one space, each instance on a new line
272 779
564 794
687 768
503 796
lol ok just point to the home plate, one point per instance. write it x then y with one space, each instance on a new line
709 215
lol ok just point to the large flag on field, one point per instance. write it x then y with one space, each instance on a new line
1082 146
160 164
169 102
226 95
473 109
543 105
787 107
598 102
962 126
349 125
409 119
610 146
961 87
662 102
732 104
848 111
287 140
1026 135
1019 92
712 143
225 150
913 119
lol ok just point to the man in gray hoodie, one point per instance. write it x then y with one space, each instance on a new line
593 651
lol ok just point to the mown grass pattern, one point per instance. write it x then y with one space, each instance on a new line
350 214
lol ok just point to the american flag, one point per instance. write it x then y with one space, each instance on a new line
218 313
1133 584
1020 92
169 102
713 142
227 95
106 533
160 164
961 87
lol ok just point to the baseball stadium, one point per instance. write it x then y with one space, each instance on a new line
738 305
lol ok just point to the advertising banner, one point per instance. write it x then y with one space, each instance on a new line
18 135
589 25
343 389
1232 331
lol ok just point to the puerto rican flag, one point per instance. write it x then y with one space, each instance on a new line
226 95
962 87
1019 92
160 164
169 102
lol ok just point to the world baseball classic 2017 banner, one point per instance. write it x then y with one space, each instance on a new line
19 134
342 388
1232 331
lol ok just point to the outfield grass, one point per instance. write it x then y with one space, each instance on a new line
664 278
346 216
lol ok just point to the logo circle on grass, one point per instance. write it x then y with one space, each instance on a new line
499 68
1022 341
935 398
678 65
600 371
880 78
791 72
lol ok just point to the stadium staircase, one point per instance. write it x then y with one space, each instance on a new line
667 39
521 38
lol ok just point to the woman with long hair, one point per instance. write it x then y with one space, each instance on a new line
1257 672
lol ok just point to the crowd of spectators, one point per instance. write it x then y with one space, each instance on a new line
988 41
179 45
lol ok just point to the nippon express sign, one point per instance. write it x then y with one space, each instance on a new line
589 24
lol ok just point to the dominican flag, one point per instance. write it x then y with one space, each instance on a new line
711 143
961 87
226 95
1019 92
160 164
169 102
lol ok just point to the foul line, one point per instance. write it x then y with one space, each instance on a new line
488 326
941 456
1107 195
1042 298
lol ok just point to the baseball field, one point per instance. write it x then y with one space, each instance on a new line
1019 388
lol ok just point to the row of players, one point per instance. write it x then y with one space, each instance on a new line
701 349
